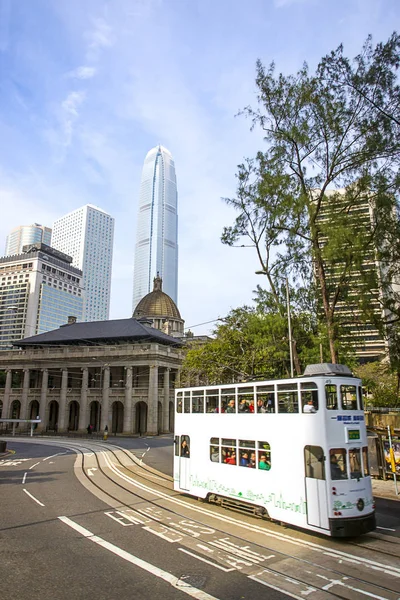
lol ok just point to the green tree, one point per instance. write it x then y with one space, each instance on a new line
330 145
380 384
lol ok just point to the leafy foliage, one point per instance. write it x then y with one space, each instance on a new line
380 383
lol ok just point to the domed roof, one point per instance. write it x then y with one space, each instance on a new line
157 304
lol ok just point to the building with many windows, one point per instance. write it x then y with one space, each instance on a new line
39 290
87 234
156 251
25 235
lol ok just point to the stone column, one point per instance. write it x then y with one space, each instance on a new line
83 418
152 402
128 401
43 400
63 400
106 398
7 392
166 401
25 392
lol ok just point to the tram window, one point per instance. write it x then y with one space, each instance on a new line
185 446
264 456
245 400
365 461
176 442
314 462
247 444
355 463
288 399
198 401
214 450
331 397
179 402
228 450
337 459
360 397
228 401
212 401
265 399
186 402
349 397
309 397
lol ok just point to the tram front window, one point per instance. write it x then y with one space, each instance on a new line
338 463
349 397
355 463
331 397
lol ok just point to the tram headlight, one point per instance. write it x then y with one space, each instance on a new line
360 504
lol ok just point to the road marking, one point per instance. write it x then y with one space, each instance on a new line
24 477
33 497
337 554
386 528
91 471
205 560
138 562
274 587
53 455
35 465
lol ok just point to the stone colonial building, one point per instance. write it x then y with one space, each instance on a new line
119 374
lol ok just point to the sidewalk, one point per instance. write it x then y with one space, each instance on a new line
385 489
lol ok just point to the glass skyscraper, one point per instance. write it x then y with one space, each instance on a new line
25 235
87 234
156 250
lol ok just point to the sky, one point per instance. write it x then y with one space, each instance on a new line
88 88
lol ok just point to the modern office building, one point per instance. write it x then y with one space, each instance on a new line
24 235
87 234
156 251
367 341
39 291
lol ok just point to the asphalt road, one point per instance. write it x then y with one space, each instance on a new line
58 540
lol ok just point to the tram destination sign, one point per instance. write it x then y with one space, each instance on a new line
353 435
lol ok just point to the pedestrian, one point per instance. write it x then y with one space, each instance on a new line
105 436
89 429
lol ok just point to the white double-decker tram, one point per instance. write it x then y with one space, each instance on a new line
294 449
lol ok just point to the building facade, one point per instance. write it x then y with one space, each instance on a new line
156 251
120 374
365 338
87 234
39 290
25 235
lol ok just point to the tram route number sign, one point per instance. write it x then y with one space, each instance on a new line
353 434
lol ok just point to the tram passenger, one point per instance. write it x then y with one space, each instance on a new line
244 459
252 461
243 406
185 449
263 463
261 406
336 471
309 407
251 406
231 407
214 455
271 404
231 460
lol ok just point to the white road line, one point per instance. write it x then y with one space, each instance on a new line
24 477
35 465
386 528
338 554
33 497
58 454
168 577
274 587
206 561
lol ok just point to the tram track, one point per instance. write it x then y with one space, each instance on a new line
311 570
306 564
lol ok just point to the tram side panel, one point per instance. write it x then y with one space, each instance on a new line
281 490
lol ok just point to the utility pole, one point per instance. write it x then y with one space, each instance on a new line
289 327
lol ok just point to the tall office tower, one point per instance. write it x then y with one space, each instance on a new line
156 252
24 235
87 234
39 290
365 338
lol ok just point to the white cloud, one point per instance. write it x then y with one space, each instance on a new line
70 114
99 37
84 72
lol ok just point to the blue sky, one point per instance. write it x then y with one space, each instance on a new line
87 88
